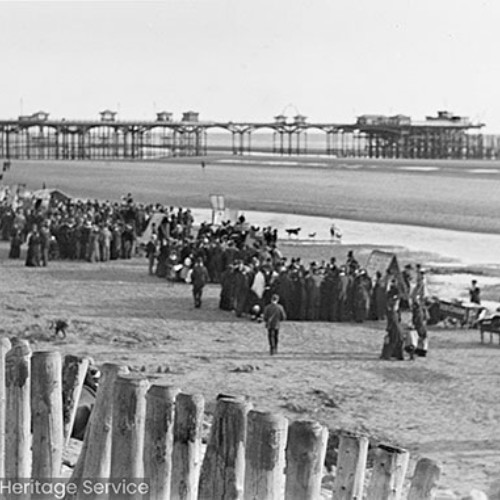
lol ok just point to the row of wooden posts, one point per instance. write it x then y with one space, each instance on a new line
148 429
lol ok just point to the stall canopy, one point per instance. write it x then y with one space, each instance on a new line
388 266
154 222
46 197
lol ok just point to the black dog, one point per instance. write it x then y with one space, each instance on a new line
295 231
59 326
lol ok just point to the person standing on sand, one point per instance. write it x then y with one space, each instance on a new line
33 257
151 252
393 341
199 278
274 314
475 293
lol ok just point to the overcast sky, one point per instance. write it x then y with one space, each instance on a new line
330 60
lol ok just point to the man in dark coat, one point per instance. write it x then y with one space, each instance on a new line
199 278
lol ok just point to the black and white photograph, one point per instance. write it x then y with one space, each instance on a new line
250 250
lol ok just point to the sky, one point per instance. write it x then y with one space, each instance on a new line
250 60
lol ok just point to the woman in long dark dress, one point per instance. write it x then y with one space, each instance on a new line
16 240
378 307
394 340
34 254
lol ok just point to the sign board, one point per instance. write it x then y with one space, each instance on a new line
218 208
217 202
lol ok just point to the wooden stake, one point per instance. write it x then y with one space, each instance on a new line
388 473
425 480
98 454
129 418
351 467
95 456
47 414
5 346
18 412
265 456
223 469
74 372
159 439
305 455
186 457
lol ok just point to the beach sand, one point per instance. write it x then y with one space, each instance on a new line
444 407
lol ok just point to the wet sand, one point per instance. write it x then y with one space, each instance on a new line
464 247
441 198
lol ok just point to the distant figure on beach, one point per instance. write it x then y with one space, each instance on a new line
203 165
335 233
475 293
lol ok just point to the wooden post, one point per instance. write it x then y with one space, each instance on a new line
388 473
46 414
74 371
98 454
425 479
159 438
351 467
18 412
223 469
95 455
305 455
265 456
186 456
129 418
4 348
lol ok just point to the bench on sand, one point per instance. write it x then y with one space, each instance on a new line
490 325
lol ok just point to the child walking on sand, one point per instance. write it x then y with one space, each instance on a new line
274 314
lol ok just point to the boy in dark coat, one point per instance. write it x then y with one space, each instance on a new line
274 314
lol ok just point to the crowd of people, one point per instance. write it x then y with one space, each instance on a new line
245 261
331 292
89 230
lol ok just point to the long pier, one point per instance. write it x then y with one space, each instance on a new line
371 136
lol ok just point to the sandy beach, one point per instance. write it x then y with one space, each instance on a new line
444 407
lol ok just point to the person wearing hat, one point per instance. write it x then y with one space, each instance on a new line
274 314
199 278
352 264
